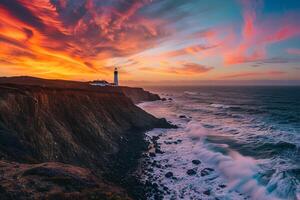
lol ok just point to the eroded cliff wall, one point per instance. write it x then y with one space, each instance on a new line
99 130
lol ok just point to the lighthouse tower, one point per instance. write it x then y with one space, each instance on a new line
116 78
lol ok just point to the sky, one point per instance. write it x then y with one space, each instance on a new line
151 41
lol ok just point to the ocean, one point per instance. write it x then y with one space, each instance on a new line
232 143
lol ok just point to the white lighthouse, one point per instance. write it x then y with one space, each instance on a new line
116 78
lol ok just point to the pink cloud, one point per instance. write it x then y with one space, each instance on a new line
259 33
293 51
253 74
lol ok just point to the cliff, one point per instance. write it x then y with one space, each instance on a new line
98 130
137 95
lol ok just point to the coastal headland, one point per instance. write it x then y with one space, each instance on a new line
71 140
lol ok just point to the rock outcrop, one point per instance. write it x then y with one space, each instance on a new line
97 131
139 95
54 181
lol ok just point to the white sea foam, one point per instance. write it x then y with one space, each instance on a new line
238 172
190 93
219 105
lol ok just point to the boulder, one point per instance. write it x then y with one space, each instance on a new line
169 175
206 192
191 172
196 162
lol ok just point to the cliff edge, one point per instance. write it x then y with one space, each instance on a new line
137 95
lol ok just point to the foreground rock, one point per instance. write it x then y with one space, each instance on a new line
53 181
206 171
169 175
196 162
191 172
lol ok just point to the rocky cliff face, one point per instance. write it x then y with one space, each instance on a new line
139 95
96 129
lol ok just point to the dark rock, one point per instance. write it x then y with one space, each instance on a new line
159 151
158 197
170 99
155 138
191 172
206 171
163 123
196 162
206 192
150 170
177 141
163 99
155 185
152 154
222 186
169 175
148 184
182 117
144 155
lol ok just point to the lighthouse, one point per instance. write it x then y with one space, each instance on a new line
116 79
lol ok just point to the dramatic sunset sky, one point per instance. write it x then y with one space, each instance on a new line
151 40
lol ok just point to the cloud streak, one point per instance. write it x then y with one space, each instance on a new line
253 74
293 51
187 69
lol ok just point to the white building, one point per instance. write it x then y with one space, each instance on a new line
100 83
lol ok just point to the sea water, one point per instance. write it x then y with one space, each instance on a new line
246 138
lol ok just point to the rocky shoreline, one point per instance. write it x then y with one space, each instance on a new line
154 187
172 168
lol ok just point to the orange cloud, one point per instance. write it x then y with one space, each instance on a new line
186 69
47 38
252 74
194 49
